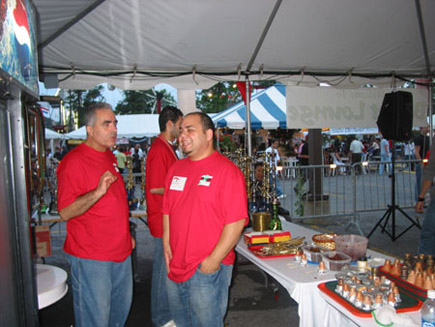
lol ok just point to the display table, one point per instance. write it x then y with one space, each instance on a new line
51 284
315 308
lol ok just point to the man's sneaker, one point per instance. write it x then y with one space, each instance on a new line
170 323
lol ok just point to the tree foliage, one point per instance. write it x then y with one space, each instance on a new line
223 95
76 100
142 101
217 98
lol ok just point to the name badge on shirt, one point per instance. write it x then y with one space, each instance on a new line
178 183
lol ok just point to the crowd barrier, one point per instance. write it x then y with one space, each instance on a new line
347 189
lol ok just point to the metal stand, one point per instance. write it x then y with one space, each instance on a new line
391 211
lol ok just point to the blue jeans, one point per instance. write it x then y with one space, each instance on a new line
160 313
384 158
202 300
427 234
418 178
102 291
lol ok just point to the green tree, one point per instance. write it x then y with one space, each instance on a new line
223 95
143 101
76 100
218 98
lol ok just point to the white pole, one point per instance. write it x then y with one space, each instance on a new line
248 117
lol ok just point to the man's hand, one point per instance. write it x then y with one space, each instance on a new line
209 266
105 181
419 207
168 255
133 243
167 252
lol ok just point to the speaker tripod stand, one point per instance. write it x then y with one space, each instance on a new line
391 211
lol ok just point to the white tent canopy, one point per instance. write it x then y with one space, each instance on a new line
192 44
128 126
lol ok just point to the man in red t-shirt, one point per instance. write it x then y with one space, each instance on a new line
204 213
160 157
93 201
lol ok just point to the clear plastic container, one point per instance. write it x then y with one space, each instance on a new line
335 260
428 310
313 252
354 246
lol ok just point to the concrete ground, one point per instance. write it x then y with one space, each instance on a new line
251 303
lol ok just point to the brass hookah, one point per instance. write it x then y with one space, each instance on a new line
130 178
53 189
130 182
266 191
247 172
142 185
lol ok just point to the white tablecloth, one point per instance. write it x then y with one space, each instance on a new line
51 284
315 308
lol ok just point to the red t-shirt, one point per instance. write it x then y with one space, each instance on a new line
160 157
201 197
102 232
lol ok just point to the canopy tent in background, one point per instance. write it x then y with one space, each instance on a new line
268 111
143 125
52 135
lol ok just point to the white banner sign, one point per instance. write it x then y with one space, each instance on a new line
328 107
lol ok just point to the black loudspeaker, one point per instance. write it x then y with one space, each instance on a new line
395 119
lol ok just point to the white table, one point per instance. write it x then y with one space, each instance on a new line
315 308
51 284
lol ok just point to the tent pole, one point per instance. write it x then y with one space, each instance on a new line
248 116
429 91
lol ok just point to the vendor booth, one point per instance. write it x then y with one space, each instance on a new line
268 111
189 44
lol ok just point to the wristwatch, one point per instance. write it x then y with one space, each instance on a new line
420 199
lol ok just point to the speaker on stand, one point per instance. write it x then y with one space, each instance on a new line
395 123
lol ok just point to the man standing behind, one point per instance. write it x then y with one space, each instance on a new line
92 198
356 150
204 212
160 157
385 156
427 239
422 144
121 159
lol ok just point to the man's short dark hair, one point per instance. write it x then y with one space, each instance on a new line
169 113
206 123
91 110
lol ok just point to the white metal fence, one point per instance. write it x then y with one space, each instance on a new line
346 190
